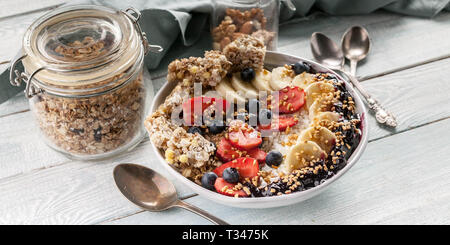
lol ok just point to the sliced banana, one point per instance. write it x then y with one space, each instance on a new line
262 80
325 118
227 91
316 90
281 78
303 80
301 155
246 88
321 104
320 135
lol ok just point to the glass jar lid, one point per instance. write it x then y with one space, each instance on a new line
80 47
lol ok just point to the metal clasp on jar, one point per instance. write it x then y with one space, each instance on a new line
16 77
134 15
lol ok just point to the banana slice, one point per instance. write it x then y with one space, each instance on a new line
325 118
225 89
301 155
262 80
316 90
321 104
321 135
303 80
246 88
281 78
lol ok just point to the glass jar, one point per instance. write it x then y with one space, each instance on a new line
232 18
84 75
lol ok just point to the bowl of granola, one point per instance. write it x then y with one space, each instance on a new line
250 128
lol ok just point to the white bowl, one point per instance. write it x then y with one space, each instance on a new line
273 59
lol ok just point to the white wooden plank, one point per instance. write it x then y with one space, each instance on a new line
397 41
12 30
408 185
416 96
16 7
16 104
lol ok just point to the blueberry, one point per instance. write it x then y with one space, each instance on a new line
231 175
274 158
331 77
247 74
216 127
193 130
208 180
265 116
252 106
300 67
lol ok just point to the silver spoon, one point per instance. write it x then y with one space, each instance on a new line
151 191
326 52
355 45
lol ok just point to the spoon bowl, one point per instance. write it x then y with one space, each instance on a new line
326 52
145 187
356 43
151 191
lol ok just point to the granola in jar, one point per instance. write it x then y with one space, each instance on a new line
86 81
93 125
234 18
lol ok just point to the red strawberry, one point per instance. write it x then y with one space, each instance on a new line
189 111
284 121
290 99
243 136
247 167
226 188
258 154
226 152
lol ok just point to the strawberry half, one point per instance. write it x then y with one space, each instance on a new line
226 152
226 188
284 122
190 113
247 167
243 136
258 154
290 99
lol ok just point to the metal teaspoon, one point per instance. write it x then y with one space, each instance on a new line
151 191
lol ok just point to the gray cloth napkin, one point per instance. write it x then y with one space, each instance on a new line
166 21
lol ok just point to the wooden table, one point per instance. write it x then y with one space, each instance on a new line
402 178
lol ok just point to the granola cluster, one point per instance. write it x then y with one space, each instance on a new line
237 23
245 52
96 124
208 70
190 153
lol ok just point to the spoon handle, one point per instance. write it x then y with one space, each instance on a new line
353 65
382 115
200 212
